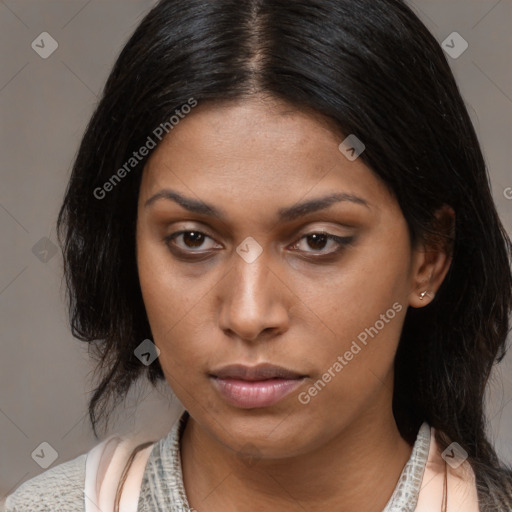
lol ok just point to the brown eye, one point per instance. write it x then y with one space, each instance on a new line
191 239
319 240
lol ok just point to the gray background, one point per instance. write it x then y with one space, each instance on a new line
45 374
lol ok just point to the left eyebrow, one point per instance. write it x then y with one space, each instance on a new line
284 214
301 209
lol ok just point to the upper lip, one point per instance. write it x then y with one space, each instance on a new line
253 373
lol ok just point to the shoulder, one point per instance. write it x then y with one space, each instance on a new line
60 488
448 474
75 486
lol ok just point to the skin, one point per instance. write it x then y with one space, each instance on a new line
341 451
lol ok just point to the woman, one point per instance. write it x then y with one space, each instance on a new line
286 202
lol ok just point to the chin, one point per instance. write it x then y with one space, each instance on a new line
267 432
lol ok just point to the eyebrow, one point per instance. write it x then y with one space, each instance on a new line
284 214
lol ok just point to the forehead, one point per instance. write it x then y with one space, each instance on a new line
263 150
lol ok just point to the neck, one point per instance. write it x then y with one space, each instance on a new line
357 470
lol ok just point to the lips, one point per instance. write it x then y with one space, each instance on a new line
255 373
249 387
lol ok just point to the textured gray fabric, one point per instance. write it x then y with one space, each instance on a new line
405 495
61 489
58 489
162 485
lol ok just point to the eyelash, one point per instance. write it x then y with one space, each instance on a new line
340 240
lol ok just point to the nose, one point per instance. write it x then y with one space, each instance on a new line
254 301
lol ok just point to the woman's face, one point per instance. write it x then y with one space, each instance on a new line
249 287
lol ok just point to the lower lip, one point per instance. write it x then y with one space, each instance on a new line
251 394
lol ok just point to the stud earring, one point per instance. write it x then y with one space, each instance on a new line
430 294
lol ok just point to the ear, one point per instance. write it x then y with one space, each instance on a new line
432 258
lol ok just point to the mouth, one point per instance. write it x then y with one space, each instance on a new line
250 387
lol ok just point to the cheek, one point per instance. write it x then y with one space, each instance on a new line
354 357
363 307
362 330
173 307
368 282
162 289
